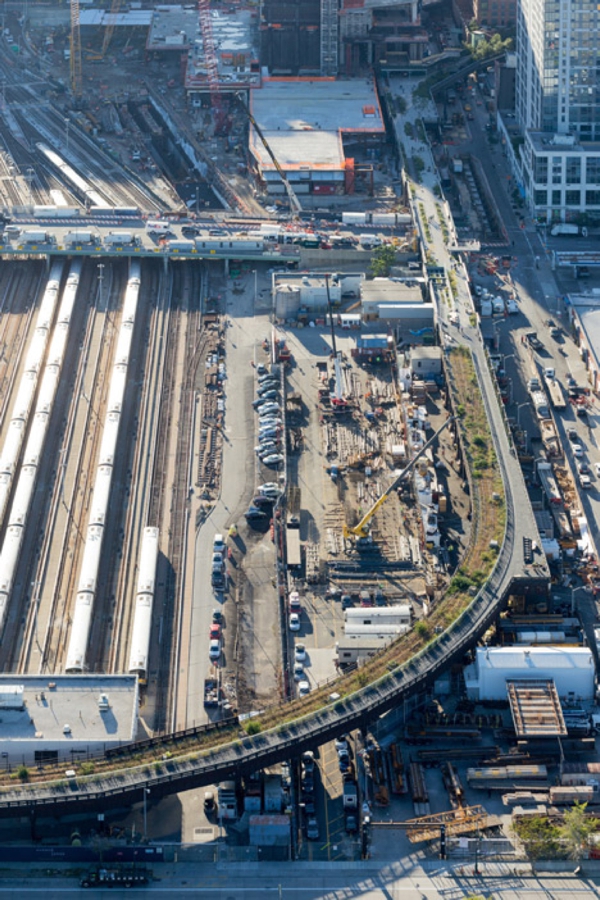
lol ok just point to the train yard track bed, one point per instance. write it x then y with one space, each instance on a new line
158 757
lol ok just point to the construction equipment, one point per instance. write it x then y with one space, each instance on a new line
111 21
295 205
75 61
361 531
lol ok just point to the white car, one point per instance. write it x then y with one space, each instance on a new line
585 481
294 622
303 688
577 450
298 671
300 653
597 469
453 318
214 650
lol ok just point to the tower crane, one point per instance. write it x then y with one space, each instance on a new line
361 530
76 78
210 59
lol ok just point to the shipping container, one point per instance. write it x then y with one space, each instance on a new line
354 218
574 794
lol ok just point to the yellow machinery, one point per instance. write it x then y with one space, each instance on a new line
361 531
111 21
76 78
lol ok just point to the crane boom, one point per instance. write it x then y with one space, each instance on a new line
111 21
295 205
75 61
362 530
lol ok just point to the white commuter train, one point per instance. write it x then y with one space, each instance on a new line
17 425
88 578
19 511
71 175
139 647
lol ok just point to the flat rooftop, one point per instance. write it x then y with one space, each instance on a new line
172 28
535 708
51 702
587 307
542 141
304 119
383 290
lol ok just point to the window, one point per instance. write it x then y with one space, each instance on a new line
540 198
556 198
592 198
572 198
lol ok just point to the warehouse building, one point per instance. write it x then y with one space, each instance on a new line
570 668
403 306
65 718
325 134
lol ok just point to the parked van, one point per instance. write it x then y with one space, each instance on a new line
158 227
369 240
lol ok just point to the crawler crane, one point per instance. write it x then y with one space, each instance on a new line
361 530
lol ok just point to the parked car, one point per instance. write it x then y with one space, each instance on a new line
585 481
308 762
274 459
300 652
341 743
261 369
214 649
312 829
597 469
253 513
268 393
294 622
303 688
261 502
577 450
299 671
583 468
270 489
215 631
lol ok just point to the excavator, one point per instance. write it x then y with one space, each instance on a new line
360 532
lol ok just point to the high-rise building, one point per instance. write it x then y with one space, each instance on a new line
558 106
558 77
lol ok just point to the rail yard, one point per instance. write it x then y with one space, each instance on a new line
95 392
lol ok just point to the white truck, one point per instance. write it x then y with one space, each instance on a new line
566 228
156 226
540 402
79 237
119 237
35 237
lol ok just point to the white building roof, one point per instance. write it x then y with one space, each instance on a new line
303 120
509 659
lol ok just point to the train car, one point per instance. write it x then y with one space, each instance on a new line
181 247
12 447
35 441
238 245
116 391
102 211
80 632
23 494
25 396
56 212
85 189
11 549
36 350
100 496
135 273
142 622
108 447
123 350
91 558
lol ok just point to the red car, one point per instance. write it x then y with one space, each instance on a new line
215 632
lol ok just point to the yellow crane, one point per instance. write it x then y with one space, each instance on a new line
361 530
76 77
111 21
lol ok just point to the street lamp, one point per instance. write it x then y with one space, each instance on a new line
100 281
519 408
146 792
506 356
29 176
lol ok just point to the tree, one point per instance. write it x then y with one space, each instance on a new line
382 260
576 830
539 837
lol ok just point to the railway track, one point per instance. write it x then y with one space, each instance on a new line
136 514
14 329
174 438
